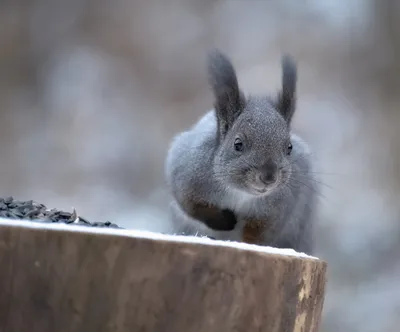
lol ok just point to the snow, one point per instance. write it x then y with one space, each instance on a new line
153 236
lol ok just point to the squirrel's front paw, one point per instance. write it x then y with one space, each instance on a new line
224 221
213 217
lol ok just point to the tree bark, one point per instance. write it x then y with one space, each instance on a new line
59 279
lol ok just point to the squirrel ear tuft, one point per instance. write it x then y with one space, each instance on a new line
228 99
286 101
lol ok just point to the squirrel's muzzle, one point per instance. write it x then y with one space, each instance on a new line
266 176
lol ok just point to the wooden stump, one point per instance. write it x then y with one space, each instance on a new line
57 278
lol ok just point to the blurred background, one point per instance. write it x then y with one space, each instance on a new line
91 93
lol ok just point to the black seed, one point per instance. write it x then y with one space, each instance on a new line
36 212
31 213
8 200
84 221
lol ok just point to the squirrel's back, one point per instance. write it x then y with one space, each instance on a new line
188 160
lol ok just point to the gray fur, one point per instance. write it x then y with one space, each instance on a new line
260 182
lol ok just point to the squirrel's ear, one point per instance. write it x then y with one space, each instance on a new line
229 101
286 101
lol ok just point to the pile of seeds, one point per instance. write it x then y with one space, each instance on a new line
31 210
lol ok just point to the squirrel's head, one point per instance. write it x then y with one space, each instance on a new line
254 148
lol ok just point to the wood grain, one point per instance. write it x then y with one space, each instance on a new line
69 281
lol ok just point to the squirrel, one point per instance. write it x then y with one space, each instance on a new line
239 173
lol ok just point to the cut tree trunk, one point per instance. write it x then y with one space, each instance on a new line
58 278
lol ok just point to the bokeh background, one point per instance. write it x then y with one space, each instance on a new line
91 92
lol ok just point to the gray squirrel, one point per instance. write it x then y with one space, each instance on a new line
240 165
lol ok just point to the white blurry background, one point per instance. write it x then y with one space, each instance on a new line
91 92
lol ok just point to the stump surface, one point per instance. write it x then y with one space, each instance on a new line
57 278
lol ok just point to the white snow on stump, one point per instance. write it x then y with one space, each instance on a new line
153 236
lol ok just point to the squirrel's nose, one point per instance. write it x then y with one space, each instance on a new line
268 173
267 178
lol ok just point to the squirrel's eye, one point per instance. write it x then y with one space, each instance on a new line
238 144
290 148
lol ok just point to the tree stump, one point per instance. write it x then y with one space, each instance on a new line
59 278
